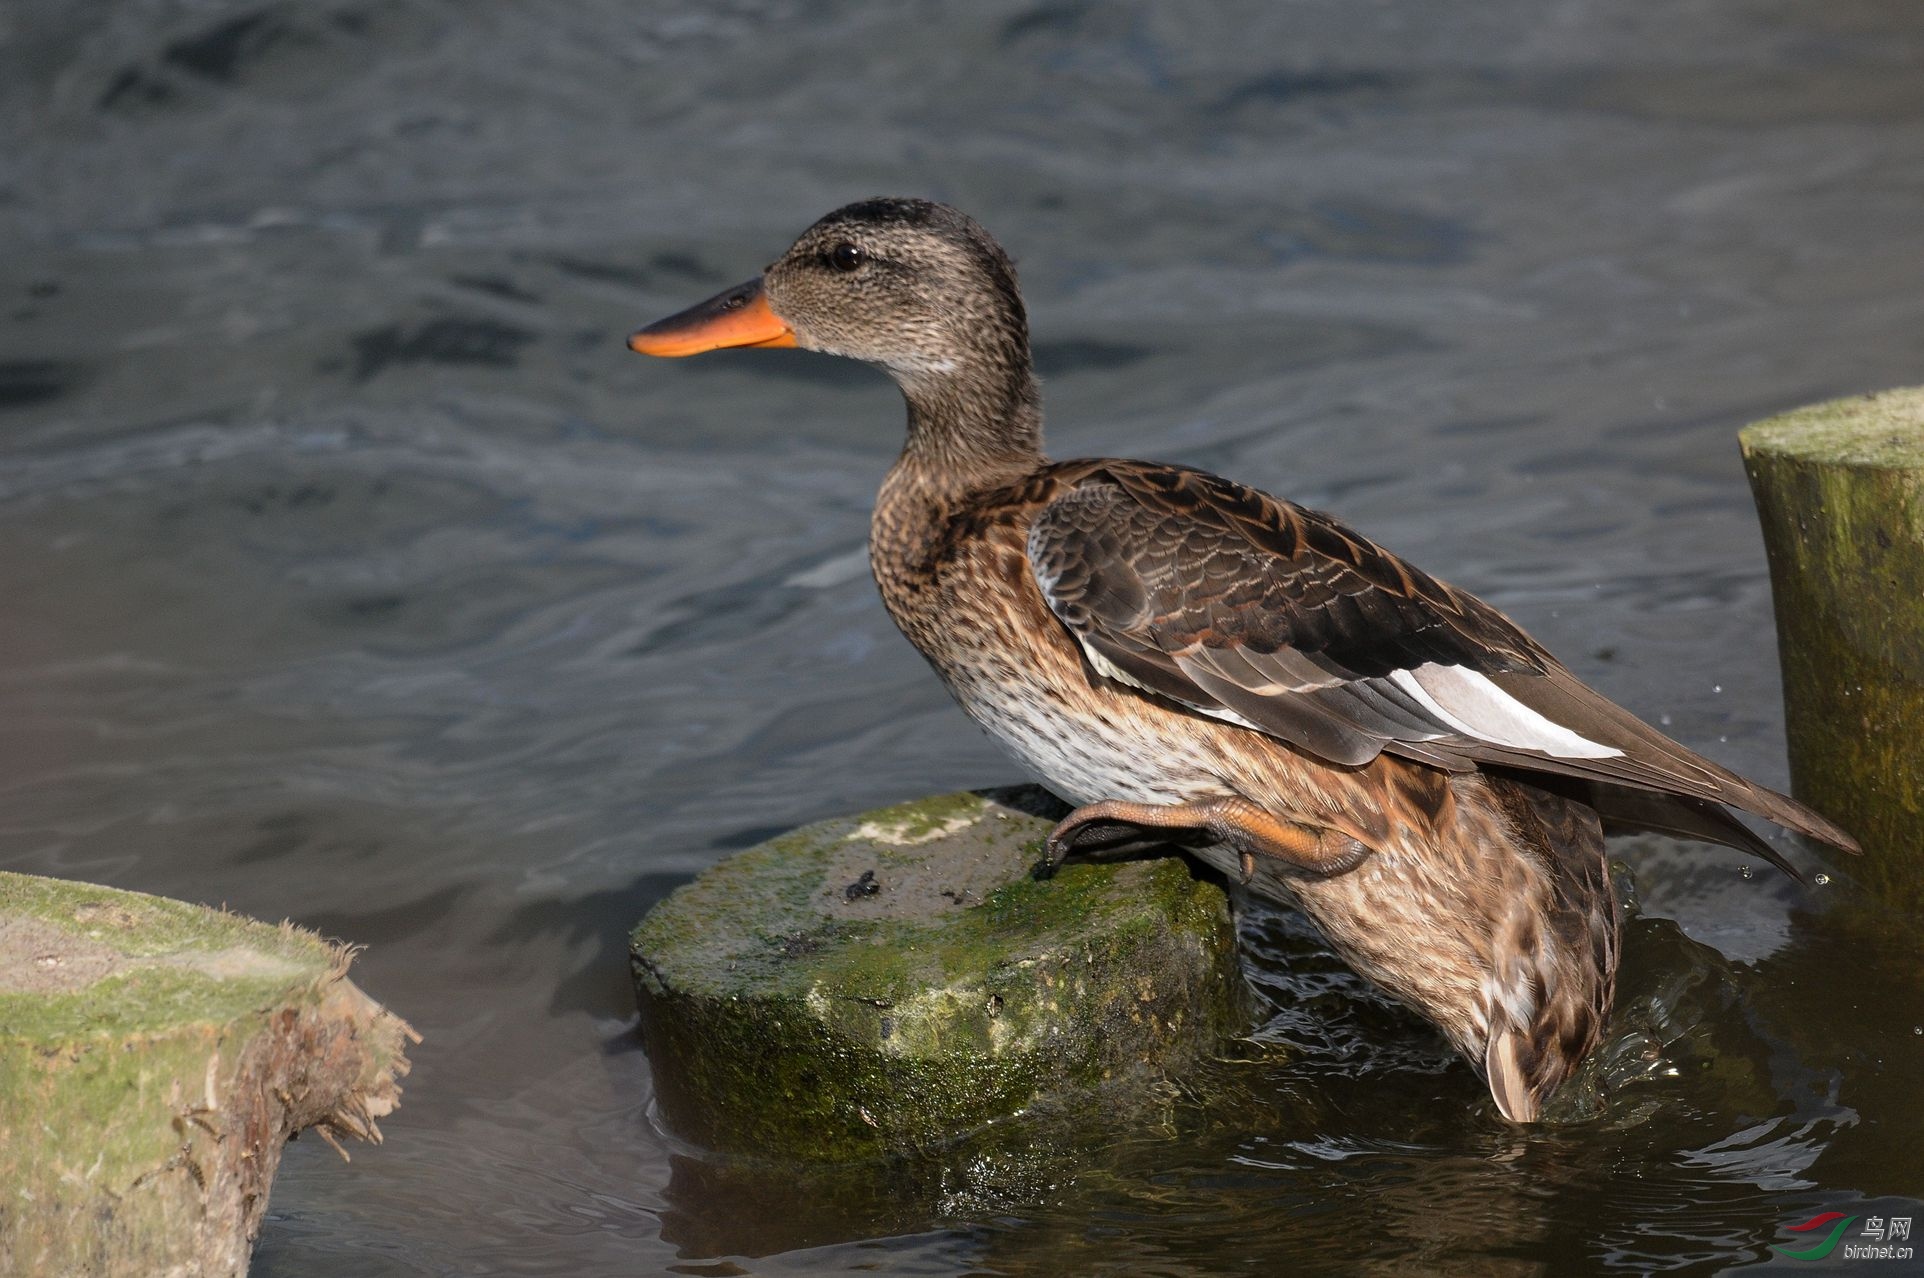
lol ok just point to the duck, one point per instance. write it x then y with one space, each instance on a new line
1190 660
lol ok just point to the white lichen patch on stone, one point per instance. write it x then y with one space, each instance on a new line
908 833
917 860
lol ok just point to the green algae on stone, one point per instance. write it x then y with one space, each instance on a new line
1840 493
890 981
154 1056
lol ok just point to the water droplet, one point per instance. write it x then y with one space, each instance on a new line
1716 687
1823 880
1746 871
1664 719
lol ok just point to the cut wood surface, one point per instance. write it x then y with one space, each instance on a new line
154 1057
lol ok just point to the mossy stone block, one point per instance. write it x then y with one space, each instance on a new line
1840 494
154 1057
890 981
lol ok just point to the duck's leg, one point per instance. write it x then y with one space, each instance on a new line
1239 825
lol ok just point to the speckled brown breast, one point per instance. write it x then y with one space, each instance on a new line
959 585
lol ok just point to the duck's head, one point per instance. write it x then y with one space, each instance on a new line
913 286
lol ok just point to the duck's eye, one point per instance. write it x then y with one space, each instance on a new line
846 256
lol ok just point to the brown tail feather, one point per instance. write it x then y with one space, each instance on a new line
1624 809
1792 815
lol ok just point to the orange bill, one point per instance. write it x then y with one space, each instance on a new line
738 317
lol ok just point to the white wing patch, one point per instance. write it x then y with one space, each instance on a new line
1478 708
1108 670
1104 667
1460 698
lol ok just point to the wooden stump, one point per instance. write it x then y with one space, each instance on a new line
890 982
154 1057
1840 491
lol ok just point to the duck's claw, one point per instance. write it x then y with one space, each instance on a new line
1068 832
1235 823
1051 857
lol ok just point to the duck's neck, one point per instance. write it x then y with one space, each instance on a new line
973 427
966 436
963 440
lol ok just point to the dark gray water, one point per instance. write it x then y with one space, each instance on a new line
355 573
